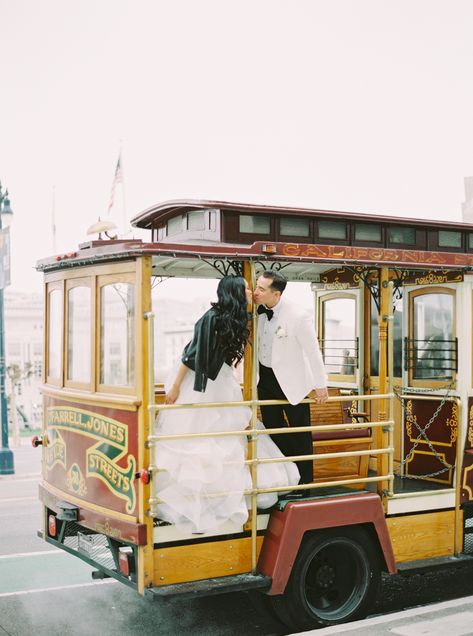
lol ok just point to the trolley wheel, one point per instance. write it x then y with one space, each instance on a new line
335 579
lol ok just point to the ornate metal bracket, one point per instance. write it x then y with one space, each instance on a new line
275 265
225 267
366 276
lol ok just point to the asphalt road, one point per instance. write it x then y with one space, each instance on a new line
48 592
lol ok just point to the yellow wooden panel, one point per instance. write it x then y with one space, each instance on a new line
202 560
422 536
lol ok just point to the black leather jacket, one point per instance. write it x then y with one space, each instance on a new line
203 354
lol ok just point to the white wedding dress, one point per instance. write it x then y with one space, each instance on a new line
192 473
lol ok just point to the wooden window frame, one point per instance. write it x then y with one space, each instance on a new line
230 230
57 285
420 240
102 281
357 242
286 238
433 241
426 382
332 241
72 283
327 297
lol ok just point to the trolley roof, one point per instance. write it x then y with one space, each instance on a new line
192 257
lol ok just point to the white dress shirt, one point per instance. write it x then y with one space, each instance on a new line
266 335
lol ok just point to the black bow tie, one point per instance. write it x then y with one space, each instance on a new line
264 310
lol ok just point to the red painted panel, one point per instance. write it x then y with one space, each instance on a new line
92 453
287 528
442 433
467 468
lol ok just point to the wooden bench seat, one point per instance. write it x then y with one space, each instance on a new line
336 469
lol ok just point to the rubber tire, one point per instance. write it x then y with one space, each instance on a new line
346 563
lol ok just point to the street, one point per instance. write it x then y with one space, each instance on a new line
46 591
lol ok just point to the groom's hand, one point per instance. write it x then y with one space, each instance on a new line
320 395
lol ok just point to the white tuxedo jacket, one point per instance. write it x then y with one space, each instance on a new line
296 358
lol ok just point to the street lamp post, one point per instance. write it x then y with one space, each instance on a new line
6 455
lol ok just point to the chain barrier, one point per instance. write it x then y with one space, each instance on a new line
423 430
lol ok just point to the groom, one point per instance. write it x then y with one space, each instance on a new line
290 366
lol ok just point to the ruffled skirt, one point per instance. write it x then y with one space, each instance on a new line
201 481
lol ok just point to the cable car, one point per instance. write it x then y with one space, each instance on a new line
392 455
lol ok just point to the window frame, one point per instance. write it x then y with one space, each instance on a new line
102 281
257 236
412 295
290 238
367 242
433 241
87 282
50 286
333 241
321 300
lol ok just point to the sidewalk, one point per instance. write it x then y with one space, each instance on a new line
451 618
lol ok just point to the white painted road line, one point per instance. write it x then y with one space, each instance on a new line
15 499
58 589
4 479
28 554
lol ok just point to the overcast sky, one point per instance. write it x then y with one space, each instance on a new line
358 105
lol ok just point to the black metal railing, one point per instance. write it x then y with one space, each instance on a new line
431 358
341 352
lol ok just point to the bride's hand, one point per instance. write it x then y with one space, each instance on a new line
172 395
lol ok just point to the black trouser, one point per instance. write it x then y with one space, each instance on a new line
273 417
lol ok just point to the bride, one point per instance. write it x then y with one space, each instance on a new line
201 481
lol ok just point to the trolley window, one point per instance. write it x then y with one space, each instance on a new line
79 325
117 350
54 334
432 347
251 224
339 342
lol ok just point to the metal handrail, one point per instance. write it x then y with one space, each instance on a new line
253 433
152 439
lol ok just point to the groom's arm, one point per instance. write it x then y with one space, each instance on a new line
307 339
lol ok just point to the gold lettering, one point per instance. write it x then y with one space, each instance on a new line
291 249
315 250
121 435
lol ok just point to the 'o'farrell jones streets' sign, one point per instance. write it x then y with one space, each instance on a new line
101 459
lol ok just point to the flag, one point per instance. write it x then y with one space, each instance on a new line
118 178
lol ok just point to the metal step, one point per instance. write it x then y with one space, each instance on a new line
209 587
411 567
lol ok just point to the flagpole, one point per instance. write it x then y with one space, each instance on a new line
125 216
118 179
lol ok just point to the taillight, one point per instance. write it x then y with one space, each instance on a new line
52 527
126 561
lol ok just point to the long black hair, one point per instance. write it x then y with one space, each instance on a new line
231 317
